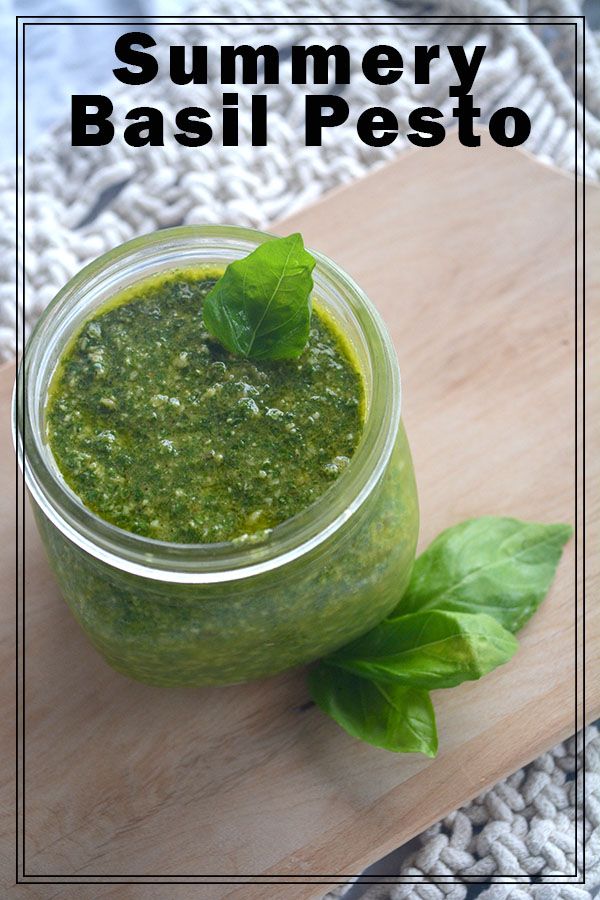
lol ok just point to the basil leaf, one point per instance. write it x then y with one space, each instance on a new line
261 306
429 650
473 586
386 715
499 566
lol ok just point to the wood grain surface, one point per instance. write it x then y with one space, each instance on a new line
469 254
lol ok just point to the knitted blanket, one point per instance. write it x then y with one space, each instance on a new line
524 826
80 202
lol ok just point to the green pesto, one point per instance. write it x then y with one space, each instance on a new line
162 432
172 634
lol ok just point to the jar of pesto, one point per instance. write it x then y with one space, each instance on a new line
216 613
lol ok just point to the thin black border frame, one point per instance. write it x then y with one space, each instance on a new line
20 25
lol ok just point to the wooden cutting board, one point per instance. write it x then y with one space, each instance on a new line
469 254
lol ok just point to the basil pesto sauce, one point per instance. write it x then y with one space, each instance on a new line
162 432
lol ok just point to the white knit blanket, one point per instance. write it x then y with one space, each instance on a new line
81 202
523 827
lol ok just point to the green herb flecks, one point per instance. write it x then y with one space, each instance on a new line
159 430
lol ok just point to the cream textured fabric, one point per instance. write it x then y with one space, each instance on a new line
156 187
81 202
523 827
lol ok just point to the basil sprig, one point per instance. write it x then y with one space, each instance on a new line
475 585
261 306
499 566
386 715
432 649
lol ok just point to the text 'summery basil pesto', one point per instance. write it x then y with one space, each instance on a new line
161 431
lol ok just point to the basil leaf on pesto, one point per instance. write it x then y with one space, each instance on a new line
390 716
261 306
432 649
499 566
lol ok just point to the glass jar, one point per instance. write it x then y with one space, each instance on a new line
191 614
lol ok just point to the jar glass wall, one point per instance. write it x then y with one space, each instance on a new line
175 614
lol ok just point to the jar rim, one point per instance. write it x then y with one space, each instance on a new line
209 562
